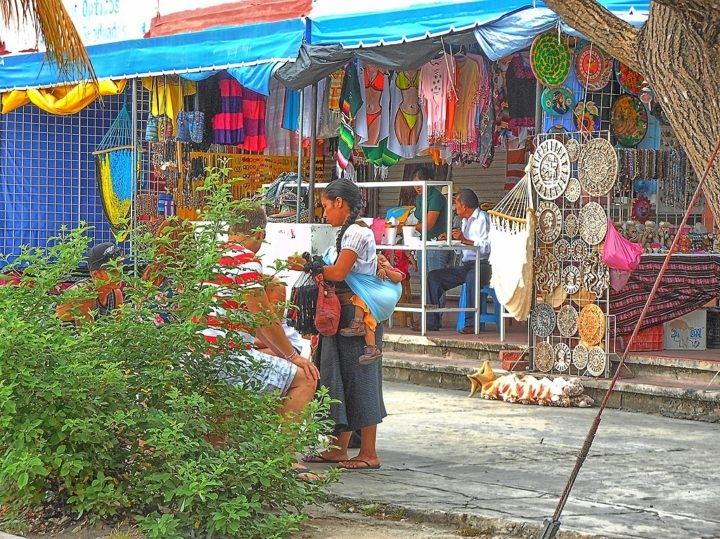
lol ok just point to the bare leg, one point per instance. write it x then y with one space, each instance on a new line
301 392
367 457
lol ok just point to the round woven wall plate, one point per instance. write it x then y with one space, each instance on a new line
544 357
572 225
597 167
571 279
573 190
561 248
578 250
573 148
596 361
563 356
591 324
542 320
628 120
557 101
630 80
555 298
550 170
592 67
593 223
567 321
550 59
580 356
549 222
582 297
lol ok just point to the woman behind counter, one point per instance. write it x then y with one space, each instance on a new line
358 388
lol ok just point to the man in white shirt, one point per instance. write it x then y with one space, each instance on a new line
474 230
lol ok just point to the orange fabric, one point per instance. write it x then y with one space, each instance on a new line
368 319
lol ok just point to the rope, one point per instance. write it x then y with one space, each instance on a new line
552 526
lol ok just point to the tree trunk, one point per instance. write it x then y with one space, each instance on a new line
676 50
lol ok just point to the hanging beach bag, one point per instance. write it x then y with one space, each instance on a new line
183 119
303 297
151 128
327 312
619 252
197 121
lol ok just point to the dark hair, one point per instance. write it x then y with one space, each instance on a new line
422 173
468 198
350 193
252 218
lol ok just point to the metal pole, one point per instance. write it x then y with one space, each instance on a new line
133 160
299 156
313 153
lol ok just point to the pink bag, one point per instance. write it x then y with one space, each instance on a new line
618 252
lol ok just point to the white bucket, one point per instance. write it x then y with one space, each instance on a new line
410 235
390 236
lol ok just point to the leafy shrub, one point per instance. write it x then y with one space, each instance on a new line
114 419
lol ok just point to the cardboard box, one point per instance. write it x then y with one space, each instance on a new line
688 332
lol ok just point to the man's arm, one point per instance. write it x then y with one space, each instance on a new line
272 333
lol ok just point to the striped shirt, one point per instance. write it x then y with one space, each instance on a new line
238 267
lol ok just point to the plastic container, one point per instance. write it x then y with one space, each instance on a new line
390 236
649 339
410 235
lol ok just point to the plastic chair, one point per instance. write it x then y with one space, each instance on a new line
487 293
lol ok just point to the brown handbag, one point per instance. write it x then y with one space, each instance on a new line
327 314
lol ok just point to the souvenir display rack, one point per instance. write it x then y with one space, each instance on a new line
569 326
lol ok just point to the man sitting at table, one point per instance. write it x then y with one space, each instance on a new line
474 230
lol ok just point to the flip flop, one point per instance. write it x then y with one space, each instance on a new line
319 459
366 465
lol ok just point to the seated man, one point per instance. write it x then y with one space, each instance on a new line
284 369
474 230
107 286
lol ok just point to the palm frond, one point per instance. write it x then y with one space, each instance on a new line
63 44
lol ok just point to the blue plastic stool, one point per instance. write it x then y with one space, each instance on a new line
495 317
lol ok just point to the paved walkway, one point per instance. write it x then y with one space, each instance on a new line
446 456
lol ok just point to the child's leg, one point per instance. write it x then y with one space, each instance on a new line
356 327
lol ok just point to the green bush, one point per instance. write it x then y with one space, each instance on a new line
113 419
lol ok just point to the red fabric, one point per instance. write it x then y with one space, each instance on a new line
253 106
400 261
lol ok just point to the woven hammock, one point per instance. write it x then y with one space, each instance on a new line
512 232
114 174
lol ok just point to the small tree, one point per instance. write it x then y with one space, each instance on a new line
114 419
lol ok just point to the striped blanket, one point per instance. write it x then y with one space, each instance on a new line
690 281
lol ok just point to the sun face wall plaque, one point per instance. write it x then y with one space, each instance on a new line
550 169
593 223
542 320
549 222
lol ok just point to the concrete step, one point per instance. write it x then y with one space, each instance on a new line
658 384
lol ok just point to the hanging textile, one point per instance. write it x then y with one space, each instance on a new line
409 132
438 91
350 103
61 99
167 95
228 123
254 108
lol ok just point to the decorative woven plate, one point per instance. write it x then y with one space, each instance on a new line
597 167
550 170
561 249
630 80
573 148
549 222
572 225
544 357
550 59
542 320
557 101
591 324
587 116
592 67
596 361
578 250
593 223
628 120
571 279
580 356
567 321
555 298
563 355
573 190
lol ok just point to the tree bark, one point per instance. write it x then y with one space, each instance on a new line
676 50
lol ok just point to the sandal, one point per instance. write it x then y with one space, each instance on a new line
371 354
355 329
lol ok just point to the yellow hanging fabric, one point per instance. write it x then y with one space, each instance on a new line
61 100
167 95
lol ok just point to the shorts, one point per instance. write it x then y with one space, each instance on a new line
265 373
